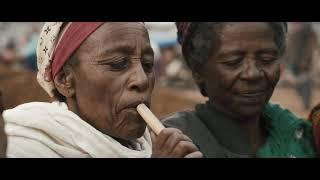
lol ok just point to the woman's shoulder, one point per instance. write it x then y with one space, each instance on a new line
192 126
288 133
33 106
34 111
180 119
282 117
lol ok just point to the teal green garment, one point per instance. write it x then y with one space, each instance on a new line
288 135
218 135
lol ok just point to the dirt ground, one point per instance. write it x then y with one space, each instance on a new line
19 87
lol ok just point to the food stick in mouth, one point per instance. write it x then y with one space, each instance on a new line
152 121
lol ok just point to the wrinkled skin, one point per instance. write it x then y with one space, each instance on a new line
242 72
172 143
115 74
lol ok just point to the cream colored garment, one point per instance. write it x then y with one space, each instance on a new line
50 130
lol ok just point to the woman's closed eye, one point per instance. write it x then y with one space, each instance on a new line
119 64
266 58
234 62
147 66
147 63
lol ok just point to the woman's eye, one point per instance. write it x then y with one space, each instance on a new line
148 66
147 63
120 64
268 59
233 62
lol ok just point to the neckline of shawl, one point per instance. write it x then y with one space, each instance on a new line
84 137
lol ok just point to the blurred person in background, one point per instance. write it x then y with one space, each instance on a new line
171 70
163 36
299 59
9 55
28 49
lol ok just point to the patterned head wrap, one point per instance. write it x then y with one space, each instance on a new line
58 41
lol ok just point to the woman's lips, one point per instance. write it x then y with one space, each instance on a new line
132 106
253 94
136 103
252 97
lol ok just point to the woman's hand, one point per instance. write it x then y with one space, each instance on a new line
172 143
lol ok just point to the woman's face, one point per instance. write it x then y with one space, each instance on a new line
115 74
243 70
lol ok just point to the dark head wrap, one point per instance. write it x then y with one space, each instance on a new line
184 30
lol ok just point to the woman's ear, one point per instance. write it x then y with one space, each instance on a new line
197 77
200 82
65 82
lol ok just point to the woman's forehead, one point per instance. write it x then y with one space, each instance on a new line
124 37
116 29
240 33
245 27
113 33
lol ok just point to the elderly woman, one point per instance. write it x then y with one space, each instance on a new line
237 66
98 73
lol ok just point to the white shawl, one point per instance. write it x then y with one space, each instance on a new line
50 130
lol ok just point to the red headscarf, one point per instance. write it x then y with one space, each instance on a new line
73 37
